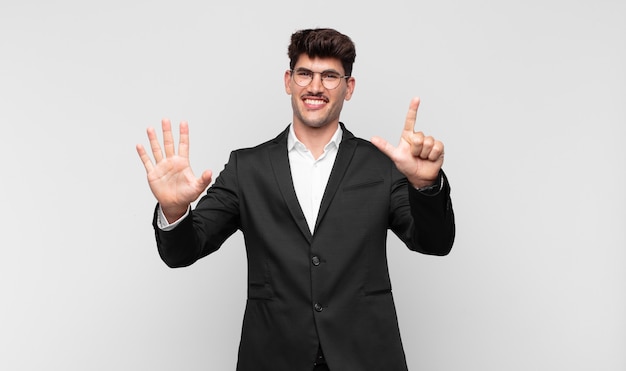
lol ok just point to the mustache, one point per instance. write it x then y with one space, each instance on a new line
315 96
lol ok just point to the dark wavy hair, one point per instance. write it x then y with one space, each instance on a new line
322 43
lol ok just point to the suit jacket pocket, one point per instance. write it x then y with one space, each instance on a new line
361 199
377 292
364 183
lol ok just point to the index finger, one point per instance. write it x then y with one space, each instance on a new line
411 116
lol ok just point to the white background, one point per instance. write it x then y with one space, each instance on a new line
529 98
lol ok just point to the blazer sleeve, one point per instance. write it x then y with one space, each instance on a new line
208 225
425 223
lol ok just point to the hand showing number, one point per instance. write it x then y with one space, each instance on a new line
170 178
417 156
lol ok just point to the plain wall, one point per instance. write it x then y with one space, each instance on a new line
529 98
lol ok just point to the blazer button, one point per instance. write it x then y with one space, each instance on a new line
316 261
318 307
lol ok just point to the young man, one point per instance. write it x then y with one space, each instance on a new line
314 205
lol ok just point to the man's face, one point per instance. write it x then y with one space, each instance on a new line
314 105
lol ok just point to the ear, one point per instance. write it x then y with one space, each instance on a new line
287 82
351 83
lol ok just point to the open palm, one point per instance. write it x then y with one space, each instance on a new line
170 177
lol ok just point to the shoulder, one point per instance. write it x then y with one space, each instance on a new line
365 148
277 142
364 157
360 144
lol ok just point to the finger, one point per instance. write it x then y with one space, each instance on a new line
437 151
183 142
427 147
384 146
145 159
205 179
411 116
417 143
168 138
154 145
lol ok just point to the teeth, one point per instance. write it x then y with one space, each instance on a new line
313 101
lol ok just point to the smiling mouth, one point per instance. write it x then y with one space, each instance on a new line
315 102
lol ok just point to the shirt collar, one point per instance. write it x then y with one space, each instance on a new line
292 140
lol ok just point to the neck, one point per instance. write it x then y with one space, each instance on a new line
315 138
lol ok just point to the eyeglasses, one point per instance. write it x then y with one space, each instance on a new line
330 79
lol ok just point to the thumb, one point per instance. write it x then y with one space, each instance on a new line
384 146
205 179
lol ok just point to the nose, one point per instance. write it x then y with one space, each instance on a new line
316 84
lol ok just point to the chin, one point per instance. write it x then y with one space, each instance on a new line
315 124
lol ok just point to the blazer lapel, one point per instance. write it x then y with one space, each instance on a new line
282 171
344 157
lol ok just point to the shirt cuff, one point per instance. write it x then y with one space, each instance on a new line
164 225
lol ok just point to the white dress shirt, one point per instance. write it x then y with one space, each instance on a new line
309 176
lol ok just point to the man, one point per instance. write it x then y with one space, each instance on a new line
314 205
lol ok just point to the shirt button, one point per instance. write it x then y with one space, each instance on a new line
318 307
316 261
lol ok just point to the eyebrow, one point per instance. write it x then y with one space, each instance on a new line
325 71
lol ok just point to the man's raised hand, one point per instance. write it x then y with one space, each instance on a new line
170 178
417 156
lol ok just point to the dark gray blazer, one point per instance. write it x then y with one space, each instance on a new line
329 289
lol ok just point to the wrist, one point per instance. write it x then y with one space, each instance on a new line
173 213
428 185
423 183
